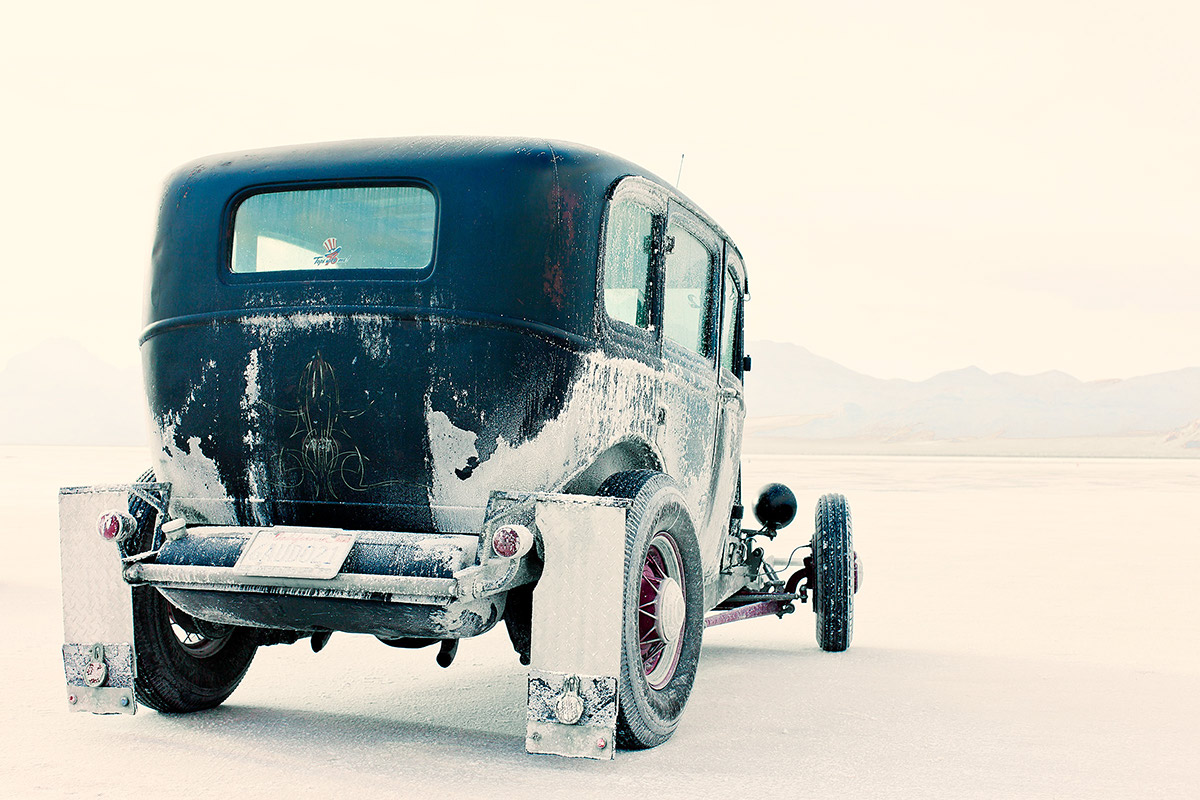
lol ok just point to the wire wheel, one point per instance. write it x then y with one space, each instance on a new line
661 610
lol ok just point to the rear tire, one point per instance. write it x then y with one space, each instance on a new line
833 583
663 608
183 664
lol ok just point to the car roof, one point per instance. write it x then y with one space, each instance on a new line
386 157
530 208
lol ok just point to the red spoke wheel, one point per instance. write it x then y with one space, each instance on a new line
664 615
661 610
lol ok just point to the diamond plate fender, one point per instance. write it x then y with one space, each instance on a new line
98 655
576 631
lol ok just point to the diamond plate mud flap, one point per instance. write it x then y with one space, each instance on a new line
98 653
576 632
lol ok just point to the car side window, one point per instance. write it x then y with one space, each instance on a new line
731 318
628 247
688 296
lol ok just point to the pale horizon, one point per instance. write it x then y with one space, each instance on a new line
133 361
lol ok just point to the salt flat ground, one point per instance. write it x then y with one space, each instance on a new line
1027 628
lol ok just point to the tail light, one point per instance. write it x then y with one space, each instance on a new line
512 541
115 526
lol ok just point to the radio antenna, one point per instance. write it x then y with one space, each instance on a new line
679 174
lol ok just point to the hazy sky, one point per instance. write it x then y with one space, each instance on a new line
916 186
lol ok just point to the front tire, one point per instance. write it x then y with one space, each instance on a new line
183 664
833 583
663 608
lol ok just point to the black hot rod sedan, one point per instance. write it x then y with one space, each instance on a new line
414 387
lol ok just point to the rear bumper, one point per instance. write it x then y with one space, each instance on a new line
392 584
383 588
573 634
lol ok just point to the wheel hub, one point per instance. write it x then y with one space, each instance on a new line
669 610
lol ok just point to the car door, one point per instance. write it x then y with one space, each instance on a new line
689 392
731 414
630 319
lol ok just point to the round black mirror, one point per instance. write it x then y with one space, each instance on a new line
776 506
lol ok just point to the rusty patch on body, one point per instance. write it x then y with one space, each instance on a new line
564 205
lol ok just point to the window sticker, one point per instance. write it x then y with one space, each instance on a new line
332 254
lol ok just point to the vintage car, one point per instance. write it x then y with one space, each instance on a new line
413 388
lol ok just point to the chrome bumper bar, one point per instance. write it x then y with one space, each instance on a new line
492 577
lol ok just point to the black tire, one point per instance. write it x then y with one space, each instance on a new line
833 561
183 664
657 672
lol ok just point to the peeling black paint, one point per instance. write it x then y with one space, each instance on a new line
465 472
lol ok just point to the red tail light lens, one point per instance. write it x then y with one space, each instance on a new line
115 525
512 541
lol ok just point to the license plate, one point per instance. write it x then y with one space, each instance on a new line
290 553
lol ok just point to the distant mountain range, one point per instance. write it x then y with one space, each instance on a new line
60 393
794 393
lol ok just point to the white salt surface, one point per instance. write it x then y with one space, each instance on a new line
1028 628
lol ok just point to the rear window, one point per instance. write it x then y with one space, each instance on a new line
364 227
